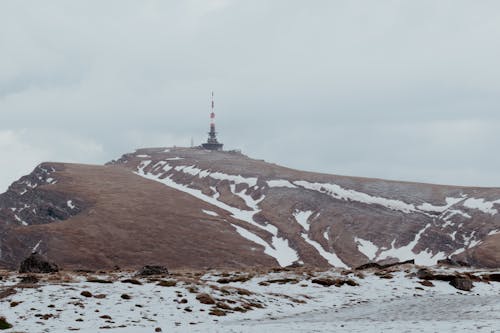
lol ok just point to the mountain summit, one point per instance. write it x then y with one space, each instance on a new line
195 208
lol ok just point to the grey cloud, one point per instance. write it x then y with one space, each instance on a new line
405 90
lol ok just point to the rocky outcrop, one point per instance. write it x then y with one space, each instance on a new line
459 281
462 283
152 270
36 263
35 199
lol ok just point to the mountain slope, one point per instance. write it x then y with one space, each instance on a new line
187 207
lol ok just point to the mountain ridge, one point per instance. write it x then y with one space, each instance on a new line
253 213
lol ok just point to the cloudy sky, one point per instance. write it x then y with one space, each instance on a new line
392 89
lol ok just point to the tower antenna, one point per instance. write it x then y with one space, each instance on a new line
212 143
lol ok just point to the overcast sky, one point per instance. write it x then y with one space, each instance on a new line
406 90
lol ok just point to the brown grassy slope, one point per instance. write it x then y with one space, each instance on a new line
132 221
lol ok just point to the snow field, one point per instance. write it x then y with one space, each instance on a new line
290 302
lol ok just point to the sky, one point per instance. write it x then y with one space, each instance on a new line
404 90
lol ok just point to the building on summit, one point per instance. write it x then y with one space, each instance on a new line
212 142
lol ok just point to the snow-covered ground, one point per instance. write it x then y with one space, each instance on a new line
280 301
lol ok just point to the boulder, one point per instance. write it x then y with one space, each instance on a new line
327 282
205 299
380 265
368 266
407 262
462 283
425 274
452 262
36 263
152 270
426 283
495 277
29 279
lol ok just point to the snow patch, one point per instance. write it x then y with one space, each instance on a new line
482 205
340 193
366 247
35 248
493 232
51 181
209 212
18 219
302 218
332 258
237 179
406 252
440 209
325 234
70 204
280 183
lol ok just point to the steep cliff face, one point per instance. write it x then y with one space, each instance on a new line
188 207
28 202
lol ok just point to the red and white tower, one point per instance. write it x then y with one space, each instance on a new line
212 143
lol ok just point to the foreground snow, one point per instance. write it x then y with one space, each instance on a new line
282 301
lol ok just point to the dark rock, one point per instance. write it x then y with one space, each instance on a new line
368 265
29 279
132 281
279 281
462 283
351 283
407 262
167 283
36 263
386 275
125 296
7 292
426 283
474 278
495 277
295 264
238 278
217 312
425 274
86 293
205 299
152 270
327 282
95 280
452 262
383 266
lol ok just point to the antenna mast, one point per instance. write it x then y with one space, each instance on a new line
212 143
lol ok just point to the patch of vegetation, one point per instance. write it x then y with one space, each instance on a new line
4 325
205 299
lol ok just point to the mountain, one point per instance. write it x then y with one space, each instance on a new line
193 208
